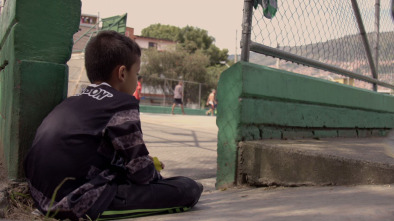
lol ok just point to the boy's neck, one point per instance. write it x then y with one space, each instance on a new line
101 82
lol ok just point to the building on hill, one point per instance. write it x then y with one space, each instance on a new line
147 42
88 20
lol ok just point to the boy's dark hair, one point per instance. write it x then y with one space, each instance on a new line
139 77
106 51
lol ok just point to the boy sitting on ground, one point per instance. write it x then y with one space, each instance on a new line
91 146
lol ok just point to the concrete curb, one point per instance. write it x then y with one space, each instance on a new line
345 161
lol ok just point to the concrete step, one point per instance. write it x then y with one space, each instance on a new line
334 161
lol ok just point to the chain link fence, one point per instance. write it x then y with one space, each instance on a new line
327 32
155 91
77 77
160 92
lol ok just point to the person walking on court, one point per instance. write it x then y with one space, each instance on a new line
211 102
178 94
137 93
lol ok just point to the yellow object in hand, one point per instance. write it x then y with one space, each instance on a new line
157 164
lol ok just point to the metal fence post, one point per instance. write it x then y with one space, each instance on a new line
377 24
365 41
199 95
164 92
246 29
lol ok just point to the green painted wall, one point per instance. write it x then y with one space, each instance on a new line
36 42
258 102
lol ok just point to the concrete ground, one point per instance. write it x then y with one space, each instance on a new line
187 146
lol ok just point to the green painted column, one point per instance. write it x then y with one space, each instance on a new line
35 44
228 121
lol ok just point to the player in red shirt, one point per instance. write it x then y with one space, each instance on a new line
137 93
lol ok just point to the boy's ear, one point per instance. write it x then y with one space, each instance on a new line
121 73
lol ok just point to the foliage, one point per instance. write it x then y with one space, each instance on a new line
178 65
195 59
162 63
20 205
216 55
214 74
167 32
191 39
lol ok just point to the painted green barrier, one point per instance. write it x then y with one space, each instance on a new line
258 102
35 44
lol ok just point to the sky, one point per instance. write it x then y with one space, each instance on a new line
221 18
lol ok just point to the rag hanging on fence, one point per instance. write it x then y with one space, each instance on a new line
269 7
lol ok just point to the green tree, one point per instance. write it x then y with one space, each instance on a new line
176 64
196 59
193 39
216 56
190 39
168 32
162 64
214 72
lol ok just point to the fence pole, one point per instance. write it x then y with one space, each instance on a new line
377 23
183 91
199 96
164 92
246 29
365 41
98 22
236 47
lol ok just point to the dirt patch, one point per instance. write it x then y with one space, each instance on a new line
15 200
19 203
